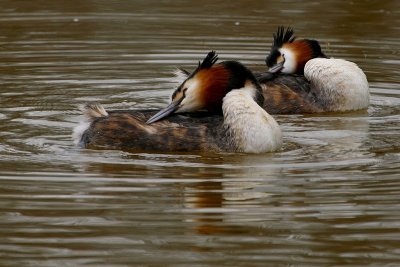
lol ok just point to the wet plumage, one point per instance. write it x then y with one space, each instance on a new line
301 79
243 127
304 80
291 53
289 94
127 130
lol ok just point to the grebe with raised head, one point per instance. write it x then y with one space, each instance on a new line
227 87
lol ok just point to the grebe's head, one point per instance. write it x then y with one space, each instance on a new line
289 55
205 88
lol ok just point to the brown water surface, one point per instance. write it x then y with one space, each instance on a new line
331 197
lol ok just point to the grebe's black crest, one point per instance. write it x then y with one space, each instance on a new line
208 61
283 36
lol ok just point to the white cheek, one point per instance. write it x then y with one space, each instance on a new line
189 104
191 101
290 61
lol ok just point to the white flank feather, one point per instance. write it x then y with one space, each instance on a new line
251 127
90 112
342 84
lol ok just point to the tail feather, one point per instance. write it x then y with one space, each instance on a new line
92 111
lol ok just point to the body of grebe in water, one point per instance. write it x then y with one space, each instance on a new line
308 81
301 79
227 87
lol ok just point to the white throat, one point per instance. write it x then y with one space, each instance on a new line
252 129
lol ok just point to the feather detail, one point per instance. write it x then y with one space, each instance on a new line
180 75
283 36
251 128
92 111
341 84
214 83
209 60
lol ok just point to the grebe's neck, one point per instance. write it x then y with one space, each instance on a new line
341 84
249 126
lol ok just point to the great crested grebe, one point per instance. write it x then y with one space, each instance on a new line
301 79
328 84
289 55
227 87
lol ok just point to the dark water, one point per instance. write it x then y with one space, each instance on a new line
331 197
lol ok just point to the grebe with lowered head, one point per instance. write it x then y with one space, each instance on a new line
289 55
315 83
243 127
301 79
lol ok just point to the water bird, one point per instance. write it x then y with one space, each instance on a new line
305 80
301 79
234 122
289 55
